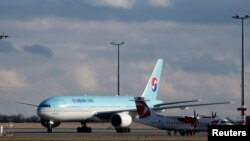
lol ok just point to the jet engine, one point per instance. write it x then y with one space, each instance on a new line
121 120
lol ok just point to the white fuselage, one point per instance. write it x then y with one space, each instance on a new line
174 123
80 108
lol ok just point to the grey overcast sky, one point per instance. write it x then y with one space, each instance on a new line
62 47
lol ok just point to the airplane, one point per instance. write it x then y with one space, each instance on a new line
118 110
186 125
3 36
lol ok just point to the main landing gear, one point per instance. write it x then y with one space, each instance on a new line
191 133
84 128
170 133
123 130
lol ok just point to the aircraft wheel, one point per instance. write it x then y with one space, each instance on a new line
84 130
128 130
123 130
182 133
49 130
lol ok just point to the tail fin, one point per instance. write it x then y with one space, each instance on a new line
142 108
151 90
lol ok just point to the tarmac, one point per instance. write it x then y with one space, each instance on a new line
100 132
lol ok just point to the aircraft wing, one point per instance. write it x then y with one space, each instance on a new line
27 104
177 102
107 114
190 105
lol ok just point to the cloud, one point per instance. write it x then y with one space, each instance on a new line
127 4
200 63
181 85
126 10
160 3
11 80
186 49
206 63
86 78
7 47
40 50
124 4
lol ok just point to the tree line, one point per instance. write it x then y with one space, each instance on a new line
19 118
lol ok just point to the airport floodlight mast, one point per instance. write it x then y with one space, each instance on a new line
243 107
118 67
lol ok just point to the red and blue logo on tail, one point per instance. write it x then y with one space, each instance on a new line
154 84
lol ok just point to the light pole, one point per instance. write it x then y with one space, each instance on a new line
118 67
243 106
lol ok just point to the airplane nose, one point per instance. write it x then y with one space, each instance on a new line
42 113
39 112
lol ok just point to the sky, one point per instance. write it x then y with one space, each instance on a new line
62 47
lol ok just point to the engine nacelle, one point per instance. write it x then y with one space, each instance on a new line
52 124
121 120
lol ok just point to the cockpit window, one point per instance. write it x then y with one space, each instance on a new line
44 105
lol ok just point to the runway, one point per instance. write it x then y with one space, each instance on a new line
28 133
